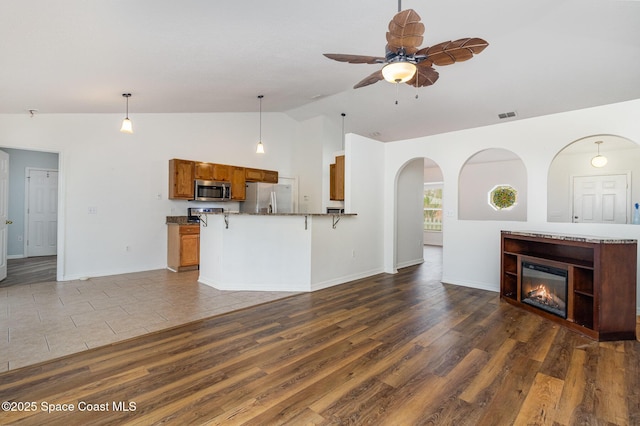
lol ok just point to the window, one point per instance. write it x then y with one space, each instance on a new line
433 206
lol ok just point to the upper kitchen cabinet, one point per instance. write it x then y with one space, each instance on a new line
222 172
270 176
258 175
211 171
336 179
204 171
181 176
238 183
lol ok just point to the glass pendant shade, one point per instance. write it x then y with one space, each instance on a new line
127 126
399 72
599 161
260 148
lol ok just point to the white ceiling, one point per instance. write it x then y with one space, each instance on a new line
544 57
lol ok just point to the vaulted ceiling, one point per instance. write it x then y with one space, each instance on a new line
195 56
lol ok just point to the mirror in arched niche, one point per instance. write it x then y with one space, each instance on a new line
577 191
493 186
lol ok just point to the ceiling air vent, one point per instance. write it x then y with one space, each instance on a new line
507 114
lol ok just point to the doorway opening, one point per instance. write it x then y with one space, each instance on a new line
32 214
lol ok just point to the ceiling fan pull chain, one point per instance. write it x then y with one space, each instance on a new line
397 84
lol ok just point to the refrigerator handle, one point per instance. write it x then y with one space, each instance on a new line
274 205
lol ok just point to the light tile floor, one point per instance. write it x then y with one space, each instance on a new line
48 320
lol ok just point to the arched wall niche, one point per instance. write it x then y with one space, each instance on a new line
490 172
572 165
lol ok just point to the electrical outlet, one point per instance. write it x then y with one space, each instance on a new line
93 210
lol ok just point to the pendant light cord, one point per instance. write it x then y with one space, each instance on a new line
260 97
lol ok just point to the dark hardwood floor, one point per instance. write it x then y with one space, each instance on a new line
399 349
30 270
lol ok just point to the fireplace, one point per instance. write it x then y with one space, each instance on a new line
544 287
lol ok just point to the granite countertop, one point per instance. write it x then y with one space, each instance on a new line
569 237
183 220
179 220
284 214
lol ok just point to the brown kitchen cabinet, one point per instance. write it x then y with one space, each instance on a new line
238 183
212 171
336 179
259 175
270 176
181 176
183 247
204 171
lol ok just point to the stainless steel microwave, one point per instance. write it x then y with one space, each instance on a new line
208 190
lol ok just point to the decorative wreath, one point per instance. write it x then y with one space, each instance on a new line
503 197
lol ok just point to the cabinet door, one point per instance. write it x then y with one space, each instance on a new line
189 249
238 184
204 171
269 176
181 176
222 172
336 179
253 175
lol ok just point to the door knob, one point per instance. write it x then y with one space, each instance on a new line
9 222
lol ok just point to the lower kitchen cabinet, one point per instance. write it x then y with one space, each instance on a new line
183 251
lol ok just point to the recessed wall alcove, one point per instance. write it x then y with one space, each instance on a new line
581 193
492 185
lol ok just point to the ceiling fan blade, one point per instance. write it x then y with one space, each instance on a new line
355 59
450 52
408 43
414 28
425 75
405 17
405 31
370 79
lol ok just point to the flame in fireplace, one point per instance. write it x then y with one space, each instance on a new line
543 296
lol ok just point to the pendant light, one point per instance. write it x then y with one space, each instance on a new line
599 160
127 127
260 147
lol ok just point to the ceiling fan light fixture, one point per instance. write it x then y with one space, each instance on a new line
599 160
399 72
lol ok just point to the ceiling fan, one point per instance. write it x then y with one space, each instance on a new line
405 62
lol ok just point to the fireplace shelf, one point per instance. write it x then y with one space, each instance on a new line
600 277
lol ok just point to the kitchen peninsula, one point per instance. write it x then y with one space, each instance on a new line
274 252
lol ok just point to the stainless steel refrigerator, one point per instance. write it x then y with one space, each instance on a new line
267 198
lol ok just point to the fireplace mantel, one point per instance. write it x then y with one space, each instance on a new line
601 295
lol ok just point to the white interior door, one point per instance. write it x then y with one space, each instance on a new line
42 212
600 199
4 199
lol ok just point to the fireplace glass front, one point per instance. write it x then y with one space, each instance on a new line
545 287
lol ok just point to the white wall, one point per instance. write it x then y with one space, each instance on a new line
471 248
125 177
